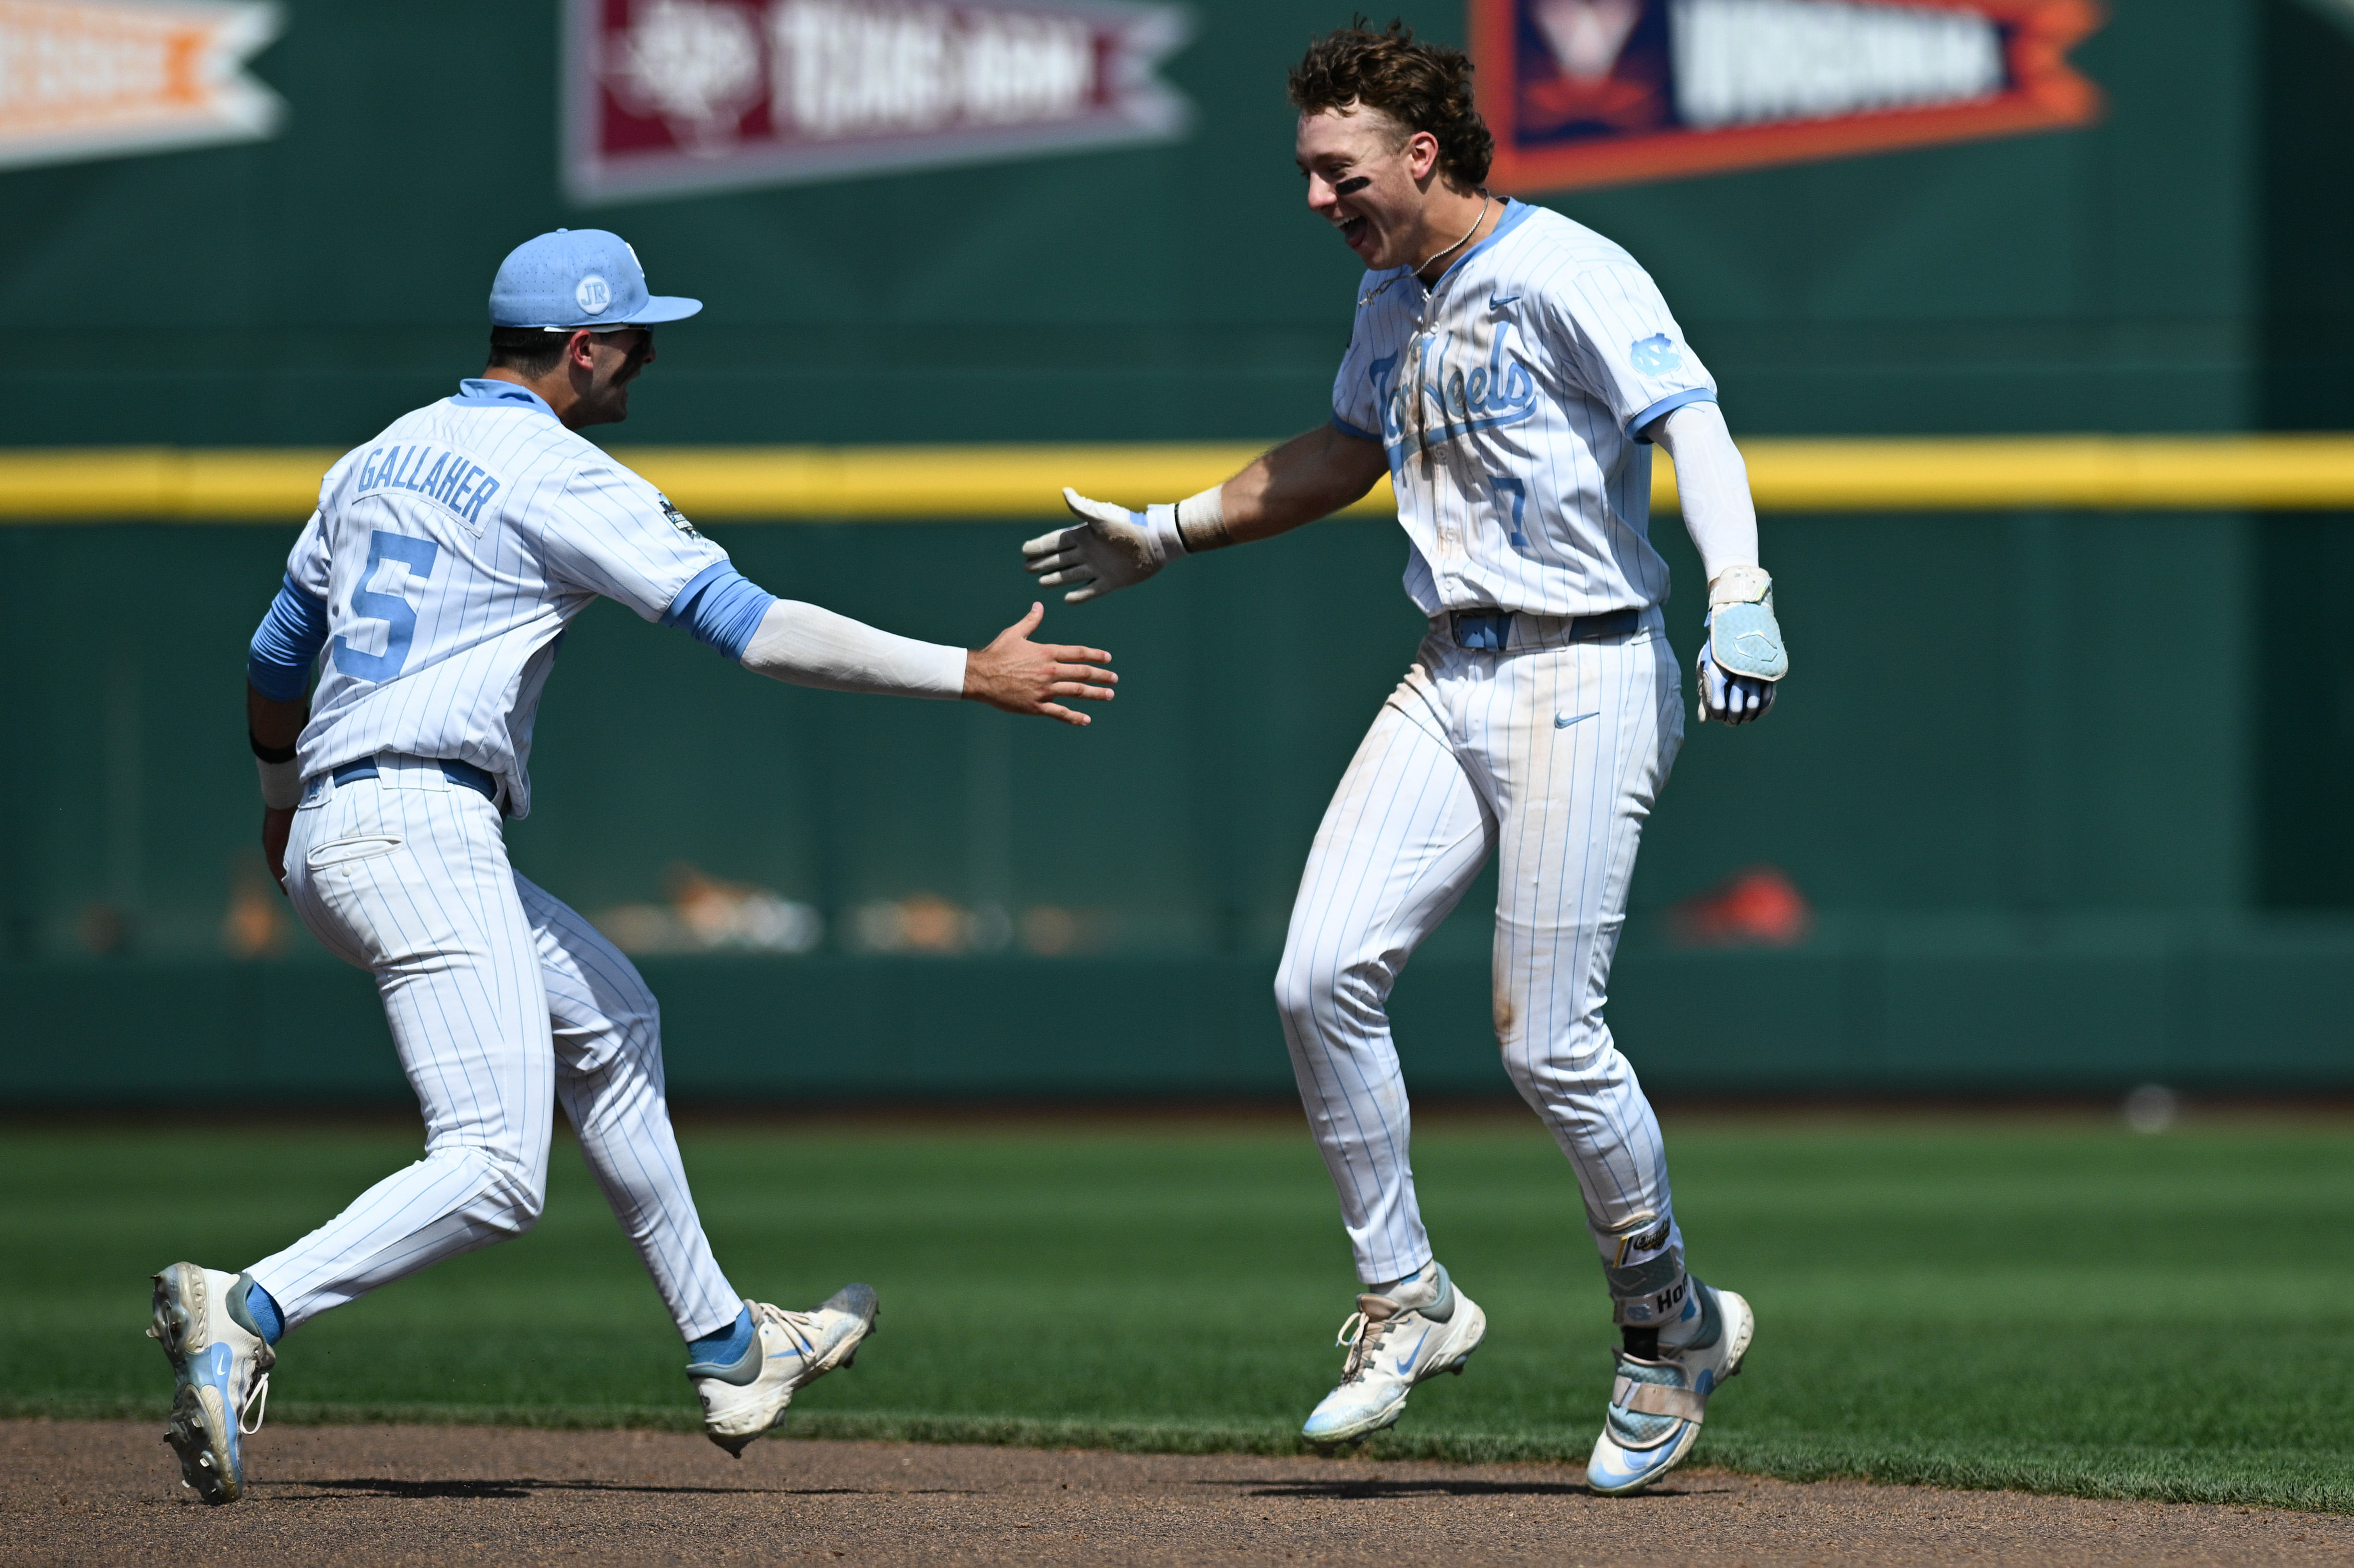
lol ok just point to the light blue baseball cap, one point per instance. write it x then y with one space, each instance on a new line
578 278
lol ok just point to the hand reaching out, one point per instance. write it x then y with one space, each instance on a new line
1112 548
1026 677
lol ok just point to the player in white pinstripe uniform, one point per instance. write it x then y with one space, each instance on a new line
1510 368
438 575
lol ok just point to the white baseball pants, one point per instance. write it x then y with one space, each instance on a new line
502 1001
1552 756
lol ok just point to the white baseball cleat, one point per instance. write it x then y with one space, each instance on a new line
221 1365
789 1350
1392 1348
1657 1406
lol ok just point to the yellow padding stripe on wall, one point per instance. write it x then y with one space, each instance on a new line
928 483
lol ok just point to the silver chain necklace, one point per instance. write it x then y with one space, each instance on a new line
1486 201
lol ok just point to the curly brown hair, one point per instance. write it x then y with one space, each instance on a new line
1422 87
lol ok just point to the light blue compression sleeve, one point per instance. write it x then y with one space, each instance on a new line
286 644
720 607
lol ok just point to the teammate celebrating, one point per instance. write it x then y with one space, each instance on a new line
1510 368
439 573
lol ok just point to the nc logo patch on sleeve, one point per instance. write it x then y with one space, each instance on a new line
677 518
1655 355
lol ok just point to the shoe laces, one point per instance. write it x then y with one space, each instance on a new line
799 1326
256 1401
1361 1337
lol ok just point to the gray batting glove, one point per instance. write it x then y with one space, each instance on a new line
1112 548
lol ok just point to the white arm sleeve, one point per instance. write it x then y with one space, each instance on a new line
807 646
1711 487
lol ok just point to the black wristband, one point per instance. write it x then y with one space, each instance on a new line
268 752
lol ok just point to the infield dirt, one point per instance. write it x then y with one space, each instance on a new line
108 1493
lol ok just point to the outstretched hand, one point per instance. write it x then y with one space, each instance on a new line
1112 548
1026 677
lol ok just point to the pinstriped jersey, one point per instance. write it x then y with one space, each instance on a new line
451 551
1508 398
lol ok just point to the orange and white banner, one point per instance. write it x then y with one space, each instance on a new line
101 78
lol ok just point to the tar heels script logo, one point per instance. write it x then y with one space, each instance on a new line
1452 399
1598 93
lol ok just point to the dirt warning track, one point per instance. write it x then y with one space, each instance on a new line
108 1493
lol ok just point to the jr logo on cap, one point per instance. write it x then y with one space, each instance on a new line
594 294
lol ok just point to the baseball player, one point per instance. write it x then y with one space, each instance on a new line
1510 370
432 588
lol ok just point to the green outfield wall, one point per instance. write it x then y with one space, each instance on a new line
2066 795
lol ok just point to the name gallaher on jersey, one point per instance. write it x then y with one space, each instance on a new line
459 485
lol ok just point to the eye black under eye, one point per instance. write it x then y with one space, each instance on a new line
1351 186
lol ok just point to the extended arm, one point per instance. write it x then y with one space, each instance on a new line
1743 660
806 645
1306 478
809 646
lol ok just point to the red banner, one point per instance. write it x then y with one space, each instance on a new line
670 97
1598 92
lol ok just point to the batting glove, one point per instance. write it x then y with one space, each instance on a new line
1742 660
1731 699
1112 548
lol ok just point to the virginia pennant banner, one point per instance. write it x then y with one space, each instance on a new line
1596 92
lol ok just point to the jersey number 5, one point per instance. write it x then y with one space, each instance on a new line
394 609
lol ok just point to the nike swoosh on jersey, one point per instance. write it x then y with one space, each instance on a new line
1498 302
1563 721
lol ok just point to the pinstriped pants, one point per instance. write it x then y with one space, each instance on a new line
503 1003
1551 758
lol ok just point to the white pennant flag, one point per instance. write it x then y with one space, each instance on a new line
102 78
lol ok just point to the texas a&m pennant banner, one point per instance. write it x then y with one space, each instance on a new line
1597 93
670 97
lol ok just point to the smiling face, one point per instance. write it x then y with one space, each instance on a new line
1370 180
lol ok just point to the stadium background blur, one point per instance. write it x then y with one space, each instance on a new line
2057 800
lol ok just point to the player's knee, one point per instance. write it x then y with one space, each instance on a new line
1296 992
1549 1065
514 1197
1511 1019
1307 987
1318 991
517 1213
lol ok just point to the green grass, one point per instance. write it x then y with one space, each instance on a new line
2051 1304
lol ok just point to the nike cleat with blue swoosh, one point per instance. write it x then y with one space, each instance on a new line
220 1368
789 1350
1657 1405
1392 1348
